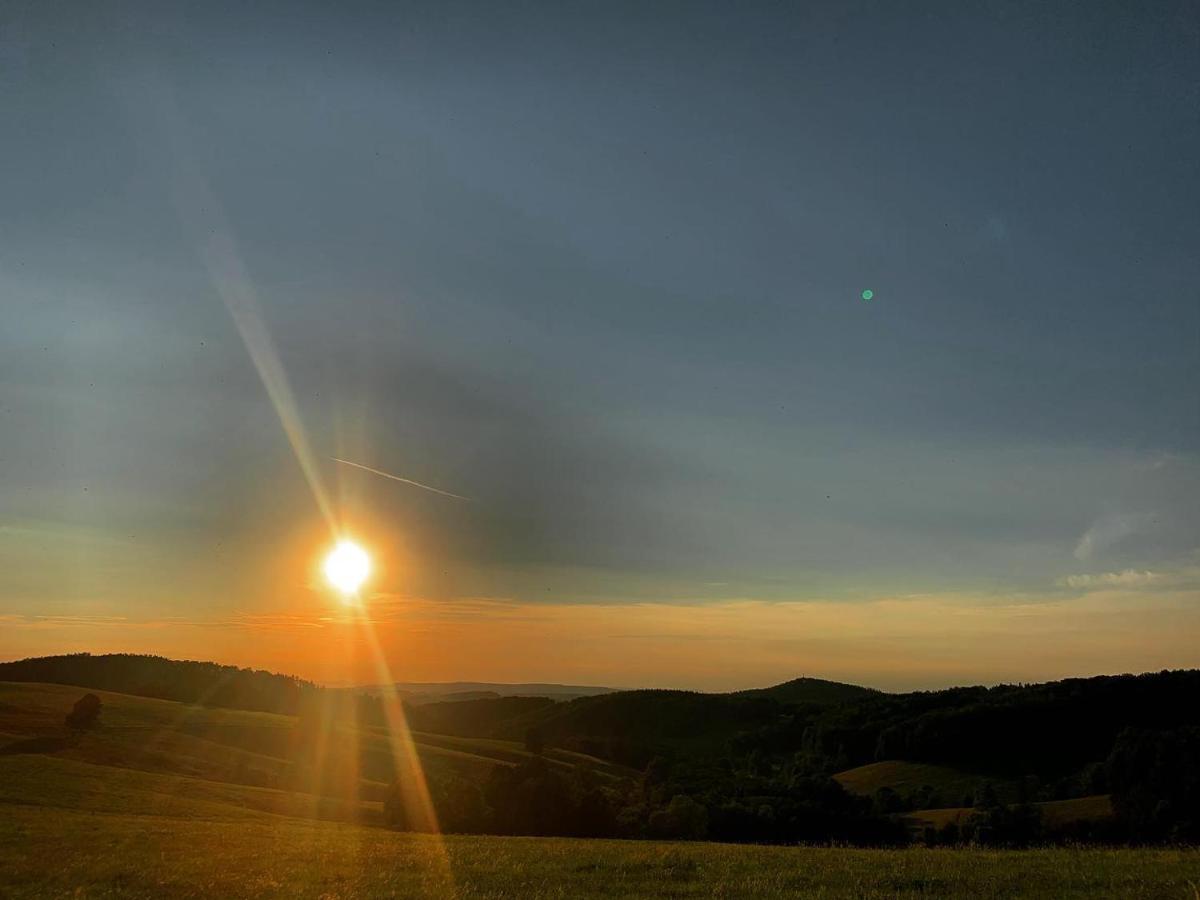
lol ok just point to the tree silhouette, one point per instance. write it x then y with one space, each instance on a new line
85 714
534 742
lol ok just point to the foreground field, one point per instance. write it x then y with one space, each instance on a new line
54 852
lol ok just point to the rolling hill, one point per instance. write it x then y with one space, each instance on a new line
814 691
258 756
434 691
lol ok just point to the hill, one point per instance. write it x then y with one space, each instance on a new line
335 768
632 726
1049 730
421 691
187 681
812 690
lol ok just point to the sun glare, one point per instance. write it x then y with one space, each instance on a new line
347 567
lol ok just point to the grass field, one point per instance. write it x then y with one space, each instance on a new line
146 808
907 777
1055 813
239 747
54 852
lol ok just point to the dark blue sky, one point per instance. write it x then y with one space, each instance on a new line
599 266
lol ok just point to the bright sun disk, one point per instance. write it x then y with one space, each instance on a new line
347 566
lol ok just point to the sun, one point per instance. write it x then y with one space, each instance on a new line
347 566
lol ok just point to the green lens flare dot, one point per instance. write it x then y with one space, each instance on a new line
868 294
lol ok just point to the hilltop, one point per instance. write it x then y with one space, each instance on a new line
812 690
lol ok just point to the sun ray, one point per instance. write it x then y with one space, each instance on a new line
405 760
202 215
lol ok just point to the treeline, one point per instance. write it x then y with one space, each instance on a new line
536 798
203 683
1154 778
1052 730
1049 730
465 718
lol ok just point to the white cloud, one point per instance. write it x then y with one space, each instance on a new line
1108 530
1127 578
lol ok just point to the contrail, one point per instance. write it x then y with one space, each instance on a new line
423 487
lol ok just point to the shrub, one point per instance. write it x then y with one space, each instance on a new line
85 714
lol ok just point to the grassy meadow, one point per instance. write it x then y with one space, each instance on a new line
905 778
151 805
58 852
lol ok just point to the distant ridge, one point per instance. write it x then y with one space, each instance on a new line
473 690
812 690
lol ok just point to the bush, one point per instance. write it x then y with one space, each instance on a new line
682 818
85 715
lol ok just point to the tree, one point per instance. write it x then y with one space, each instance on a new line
395 808
85 715
682 818
1155 779
535 743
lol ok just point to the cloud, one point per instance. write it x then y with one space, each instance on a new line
1126 579
1109 530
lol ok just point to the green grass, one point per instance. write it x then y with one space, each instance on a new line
54 852
236 746
147 807
1055 813
905 778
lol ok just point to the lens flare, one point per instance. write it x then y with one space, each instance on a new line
347 567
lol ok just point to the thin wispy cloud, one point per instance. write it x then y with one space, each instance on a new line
1110 530
1125 579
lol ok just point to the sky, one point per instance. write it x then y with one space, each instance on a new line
599 268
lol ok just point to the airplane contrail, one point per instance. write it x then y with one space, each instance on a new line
424 487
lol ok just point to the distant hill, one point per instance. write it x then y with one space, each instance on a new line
631 727
811 690
436 691
473 718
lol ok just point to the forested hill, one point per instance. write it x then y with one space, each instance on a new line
812 690
1045 729
1049 730
187 681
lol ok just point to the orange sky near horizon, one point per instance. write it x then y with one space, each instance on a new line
894 643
